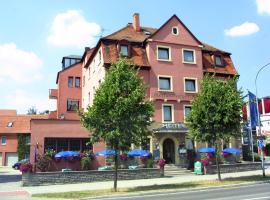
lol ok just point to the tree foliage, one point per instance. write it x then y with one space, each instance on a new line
119 114
216 112
32 111
22 148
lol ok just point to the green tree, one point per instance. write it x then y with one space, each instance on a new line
119 114
216 113
23 148
32 111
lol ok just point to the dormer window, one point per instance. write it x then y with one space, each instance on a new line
10 124
123 50
175 30
218 60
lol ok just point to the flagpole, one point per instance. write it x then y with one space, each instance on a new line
259 118
250 130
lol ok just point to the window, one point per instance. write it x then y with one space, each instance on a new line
167 113
174 30
72 105
62 145
69 144
190 85
218 61
70 81
163 53
75 145
188 56
77 82
4 140
124 50
146 144
28 139
165 83
187 110
10 124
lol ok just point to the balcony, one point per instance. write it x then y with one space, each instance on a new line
53 93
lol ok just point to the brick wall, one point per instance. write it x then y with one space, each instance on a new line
50 178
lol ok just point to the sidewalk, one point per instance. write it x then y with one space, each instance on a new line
134 183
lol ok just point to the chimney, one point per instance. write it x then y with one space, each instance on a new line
136 22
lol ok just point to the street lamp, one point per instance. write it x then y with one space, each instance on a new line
259 118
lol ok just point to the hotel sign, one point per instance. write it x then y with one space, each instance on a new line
171 127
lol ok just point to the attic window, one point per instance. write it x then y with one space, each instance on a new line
175 30
218 60
10 124
147 33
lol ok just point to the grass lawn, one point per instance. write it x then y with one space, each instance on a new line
195 184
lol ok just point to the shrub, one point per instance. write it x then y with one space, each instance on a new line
150 163
85 163
50 153
161 163
44 163
123 157
26 167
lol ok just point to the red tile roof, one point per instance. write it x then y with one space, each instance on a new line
21 123
209 66
139 57
138 54
128 33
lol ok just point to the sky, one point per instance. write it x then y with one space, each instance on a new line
35 35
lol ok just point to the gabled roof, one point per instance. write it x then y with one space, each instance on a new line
20 123
128 33
210 48
175 16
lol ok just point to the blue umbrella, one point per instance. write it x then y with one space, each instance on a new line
207 150
138 152
106 153
231 150
65 154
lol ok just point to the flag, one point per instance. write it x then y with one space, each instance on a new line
253 110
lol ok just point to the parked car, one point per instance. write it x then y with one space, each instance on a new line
18 164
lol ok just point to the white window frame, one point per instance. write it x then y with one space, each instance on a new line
184 108
196 84
2 140
171 83
176 29
194 56
165 47
172 109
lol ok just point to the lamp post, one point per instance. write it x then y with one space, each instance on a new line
259 118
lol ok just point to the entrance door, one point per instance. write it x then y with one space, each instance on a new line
168 151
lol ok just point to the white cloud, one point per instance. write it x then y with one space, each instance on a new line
244 29
22 101
19 65
71 29
263 6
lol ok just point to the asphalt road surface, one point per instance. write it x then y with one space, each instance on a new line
260 191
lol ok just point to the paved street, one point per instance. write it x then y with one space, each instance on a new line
242 192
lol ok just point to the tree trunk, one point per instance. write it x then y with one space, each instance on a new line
115 170
217 162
